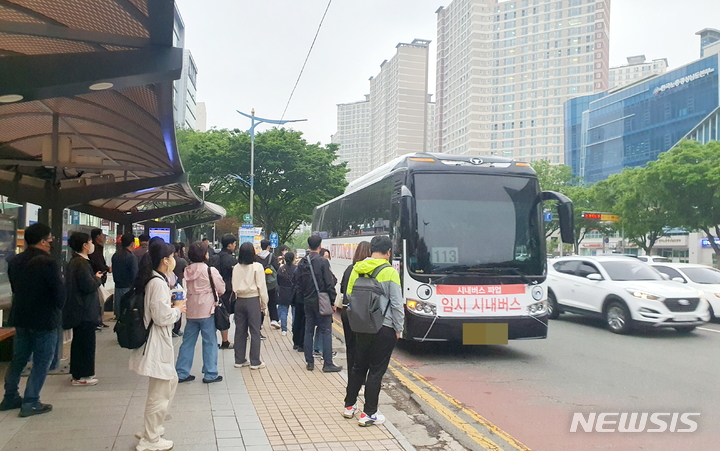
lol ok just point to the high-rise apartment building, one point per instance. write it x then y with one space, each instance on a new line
353 136
396 118
635 70
504 70
398 98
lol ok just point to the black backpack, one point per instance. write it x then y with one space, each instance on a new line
364 311
130 326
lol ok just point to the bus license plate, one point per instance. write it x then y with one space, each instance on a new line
485 333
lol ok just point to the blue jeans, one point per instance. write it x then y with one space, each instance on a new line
119 293
58 350
40 344
283 312
193 327
313 319
317 342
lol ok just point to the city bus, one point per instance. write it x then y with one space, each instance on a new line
468 242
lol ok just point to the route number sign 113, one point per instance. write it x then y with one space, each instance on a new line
444 255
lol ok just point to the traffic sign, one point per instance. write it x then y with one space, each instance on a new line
247 225
547 216
607 217
247 217
274 240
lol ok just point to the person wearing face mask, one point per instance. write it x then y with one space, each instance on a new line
36 314
155 359
82 309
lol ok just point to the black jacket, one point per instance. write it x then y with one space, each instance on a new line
82 303
273 261
125 268
38 290
225 264
304 281
97 260
286 287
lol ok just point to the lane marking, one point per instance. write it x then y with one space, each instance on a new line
473 433
709 330
444 411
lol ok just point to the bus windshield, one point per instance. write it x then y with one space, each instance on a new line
476 223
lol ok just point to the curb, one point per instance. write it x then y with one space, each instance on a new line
390 427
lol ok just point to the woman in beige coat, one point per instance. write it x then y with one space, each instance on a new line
156 358
248 282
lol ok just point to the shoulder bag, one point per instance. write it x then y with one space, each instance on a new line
326 306
222 315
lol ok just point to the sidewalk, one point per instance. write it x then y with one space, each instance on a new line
281 408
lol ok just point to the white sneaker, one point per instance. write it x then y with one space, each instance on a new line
258 367
160 445
275 324
349 412
368 420
84 381
241 365
284 333
141 434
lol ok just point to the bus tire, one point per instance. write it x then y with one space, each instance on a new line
553 307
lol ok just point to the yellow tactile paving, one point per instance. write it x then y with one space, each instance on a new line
302 410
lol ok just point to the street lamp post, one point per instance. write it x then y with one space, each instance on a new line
204 188
255 121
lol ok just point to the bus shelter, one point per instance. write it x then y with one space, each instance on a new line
86 111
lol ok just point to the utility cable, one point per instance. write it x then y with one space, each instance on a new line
306 59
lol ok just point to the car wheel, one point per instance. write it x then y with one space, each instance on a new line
617 317
553 307
685 329
712 313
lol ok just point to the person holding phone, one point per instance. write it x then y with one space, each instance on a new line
82 309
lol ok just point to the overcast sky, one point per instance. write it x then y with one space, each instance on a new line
249 53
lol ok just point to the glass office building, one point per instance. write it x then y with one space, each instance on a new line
631 126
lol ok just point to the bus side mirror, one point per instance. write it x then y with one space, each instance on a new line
407 211
566 214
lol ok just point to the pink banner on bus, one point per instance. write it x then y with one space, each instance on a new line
455 290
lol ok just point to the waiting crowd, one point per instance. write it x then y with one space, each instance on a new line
208 288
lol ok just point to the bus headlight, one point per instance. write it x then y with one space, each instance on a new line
537 308
421 307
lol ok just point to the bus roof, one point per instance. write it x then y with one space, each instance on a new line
422 160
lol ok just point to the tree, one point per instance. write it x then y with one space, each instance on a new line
291 176
633 196
553 178
688 179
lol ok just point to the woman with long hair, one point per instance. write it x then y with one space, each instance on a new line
248 282
200 319
82 311
361 253
155 358
286 288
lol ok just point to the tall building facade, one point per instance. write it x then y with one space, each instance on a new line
709 42
184 89
504 70
631 126
201 117
398 98
636 69
397 116
353 136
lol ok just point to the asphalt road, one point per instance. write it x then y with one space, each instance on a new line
531 389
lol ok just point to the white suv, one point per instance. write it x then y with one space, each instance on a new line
626 292
701 277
